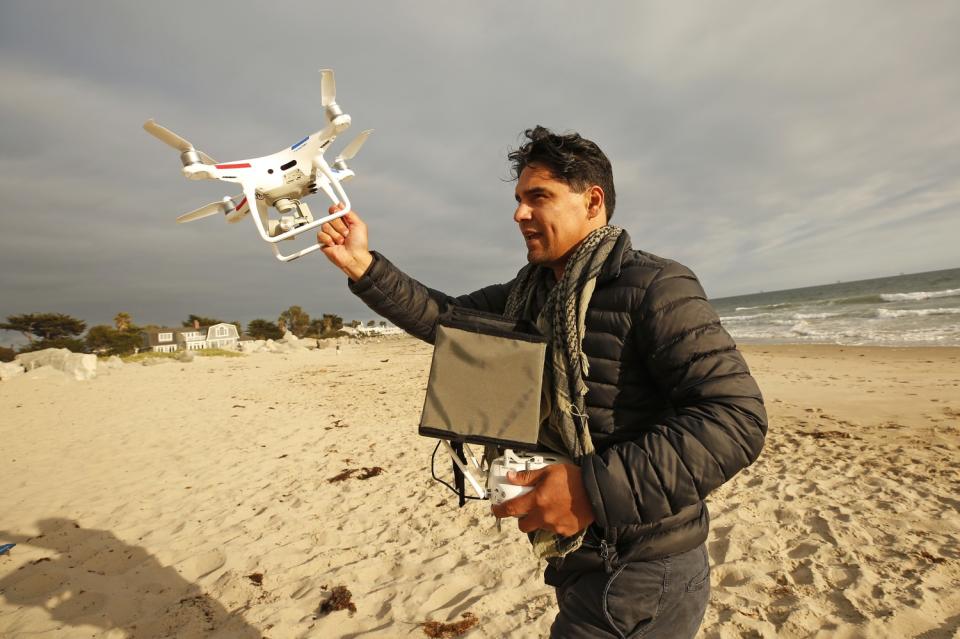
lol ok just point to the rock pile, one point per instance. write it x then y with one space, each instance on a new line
289 343
79 366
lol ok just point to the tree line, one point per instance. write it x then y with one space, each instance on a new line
57 330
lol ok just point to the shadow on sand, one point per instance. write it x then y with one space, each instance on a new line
94 579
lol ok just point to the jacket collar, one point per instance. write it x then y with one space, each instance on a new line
611 268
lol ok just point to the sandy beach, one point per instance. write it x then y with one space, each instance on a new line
231 497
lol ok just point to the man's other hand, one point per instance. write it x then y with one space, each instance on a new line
558 501
344 242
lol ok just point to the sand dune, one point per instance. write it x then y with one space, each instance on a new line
195 500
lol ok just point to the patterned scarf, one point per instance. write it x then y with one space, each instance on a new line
563 320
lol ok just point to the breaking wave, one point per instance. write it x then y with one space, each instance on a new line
886 313
919 295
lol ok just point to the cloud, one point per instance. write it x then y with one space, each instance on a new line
765 146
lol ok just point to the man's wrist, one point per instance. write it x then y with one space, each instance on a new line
358 266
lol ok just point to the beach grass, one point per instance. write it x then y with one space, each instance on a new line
206 352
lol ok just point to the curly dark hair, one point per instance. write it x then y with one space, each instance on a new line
572 159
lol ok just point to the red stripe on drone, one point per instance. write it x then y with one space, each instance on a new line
242 165
242 202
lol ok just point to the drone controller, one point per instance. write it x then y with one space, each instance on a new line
501 490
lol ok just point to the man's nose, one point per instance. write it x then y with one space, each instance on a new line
521 213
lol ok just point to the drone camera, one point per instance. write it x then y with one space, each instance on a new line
293 214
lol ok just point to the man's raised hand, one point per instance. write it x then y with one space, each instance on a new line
344 242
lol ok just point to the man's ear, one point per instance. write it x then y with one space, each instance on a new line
594 200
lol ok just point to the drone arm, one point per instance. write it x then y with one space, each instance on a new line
334 182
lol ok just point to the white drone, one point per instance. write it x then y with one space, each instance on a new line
279 180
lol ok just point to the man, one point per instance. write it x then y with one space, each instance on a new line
647 392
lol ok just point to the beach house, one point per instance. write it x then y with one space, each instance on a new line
169 340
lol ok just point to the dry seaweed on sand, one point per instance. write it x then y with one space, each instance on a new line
339 599
440 630
256 578
365 473
346 474
828 434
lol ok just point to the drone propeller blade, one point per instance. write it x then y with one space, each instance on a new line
351 149
328 87
170 138
166 136
205 211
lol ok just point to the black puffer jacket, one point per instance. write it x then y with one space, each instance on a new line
673 410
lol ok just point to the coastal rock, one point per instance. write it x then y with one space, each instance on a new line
79 366
112 362
253 346
185 356
9 370
272 346
156 361
290 343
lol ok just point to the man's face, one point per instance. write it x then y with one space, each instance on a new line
552 218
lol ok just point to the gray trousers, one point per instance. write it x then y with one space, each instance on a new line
665 598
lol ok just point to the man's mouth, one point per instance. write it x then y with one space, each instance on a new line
530 235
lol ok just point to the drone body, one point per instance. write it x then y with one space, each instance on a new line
279 181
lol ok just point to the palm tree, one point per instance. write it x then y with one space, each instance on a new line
122 321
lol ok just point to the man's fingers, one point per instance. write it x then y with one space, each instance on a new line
516 507
526 477
325 239
335 236
339 226
351 219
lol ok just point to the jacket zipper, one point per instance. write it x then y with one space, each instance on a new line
605 555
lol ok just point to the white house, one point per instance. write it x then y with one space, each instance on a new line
169 340
389 329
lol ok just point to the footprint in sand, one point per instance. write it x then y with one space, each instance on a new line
802 550
202 565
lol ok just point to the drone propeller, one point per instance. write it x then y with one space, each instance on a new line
328 88
351 149
223 206
170 138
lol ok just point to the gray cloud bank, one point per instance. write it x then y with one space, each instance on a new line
766 146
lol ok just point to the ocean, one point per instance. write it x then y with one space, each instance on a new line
922 309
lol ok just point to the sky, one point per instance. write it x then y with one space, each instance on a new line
765 145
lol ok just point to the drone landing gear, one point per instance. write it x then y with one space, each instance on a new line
464 463
298 222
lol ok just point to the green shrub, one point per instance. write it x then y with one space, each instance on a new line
69 343
139 357
217 352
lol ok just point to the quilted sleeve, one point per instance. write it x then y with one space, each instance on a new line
393 294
